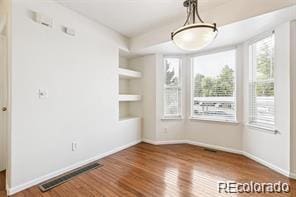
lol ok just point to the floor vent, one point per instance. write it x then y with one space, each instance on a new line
210 150
67 176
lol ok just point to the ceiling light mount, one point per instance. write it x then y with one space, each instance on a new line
192 5
194 35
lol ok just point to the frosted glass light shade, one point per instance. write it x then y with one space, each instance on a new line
195 36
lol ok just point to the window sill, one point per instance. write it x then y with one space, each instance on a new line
261 128
214 120
172 118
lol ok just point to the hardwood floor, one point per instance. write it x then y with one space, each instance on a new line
2 184
167 170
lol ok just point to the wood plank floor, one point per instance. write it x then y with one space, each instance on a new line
2 184
167 170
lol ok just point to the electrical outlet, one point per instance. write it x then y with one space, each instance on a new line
74 146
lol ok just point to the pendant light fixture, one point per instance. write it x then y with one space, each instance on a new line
194 35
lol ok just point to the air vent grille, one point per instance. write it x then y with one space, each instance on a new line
66 177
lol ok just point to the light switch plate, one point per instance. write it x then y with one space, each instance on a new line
43 19
70 31
42 94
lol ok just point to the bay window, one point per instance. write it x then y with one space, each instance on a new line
214 86
172 88
261 83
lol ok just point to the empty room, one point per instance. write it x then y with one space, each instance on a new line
164 98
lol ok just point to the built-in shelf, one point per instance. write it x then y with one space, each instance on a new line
128 74
128 118
129 97
129 94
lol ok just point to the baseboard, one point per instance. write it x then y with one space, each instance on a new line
149 141
164 142
6 186
229 150
293 175
192 143
11 191
267 164
220 148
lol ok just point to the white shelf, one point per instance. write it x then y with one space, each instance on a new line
129 97
128 118
128 74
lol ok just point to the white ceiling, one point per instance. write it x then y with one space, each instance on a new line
134 17
234 33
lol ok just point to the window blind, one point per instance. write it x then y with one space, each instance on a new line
213 86
172 87
261 83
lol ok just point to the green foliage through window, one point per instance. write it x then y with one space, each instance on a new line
222 85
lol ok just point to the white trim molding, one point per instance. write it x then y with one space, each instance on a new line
292 175
13 190
153 142
220 148
229 150
267 164
215 147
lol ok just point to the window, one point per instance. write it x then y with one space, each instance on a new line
172 88
261 83
213 86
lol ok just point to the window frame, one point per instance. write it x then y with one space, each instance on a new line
180 86
236 90
250 56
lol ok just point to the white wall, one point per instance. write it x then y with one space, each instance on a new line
4 11
154 128
274 148
169 130
82 103
80 75
147 66
4 39
266 147
206 132
3 102
196 131
293 95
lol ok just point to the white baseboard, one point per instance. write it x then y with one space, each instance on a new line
293 175
149 141
13 190
230 150
267 164
215 147
164 142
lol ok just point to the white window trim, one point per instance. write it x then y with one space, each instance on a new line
250 61
237 70
264 129
172 117
214 120
165 116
